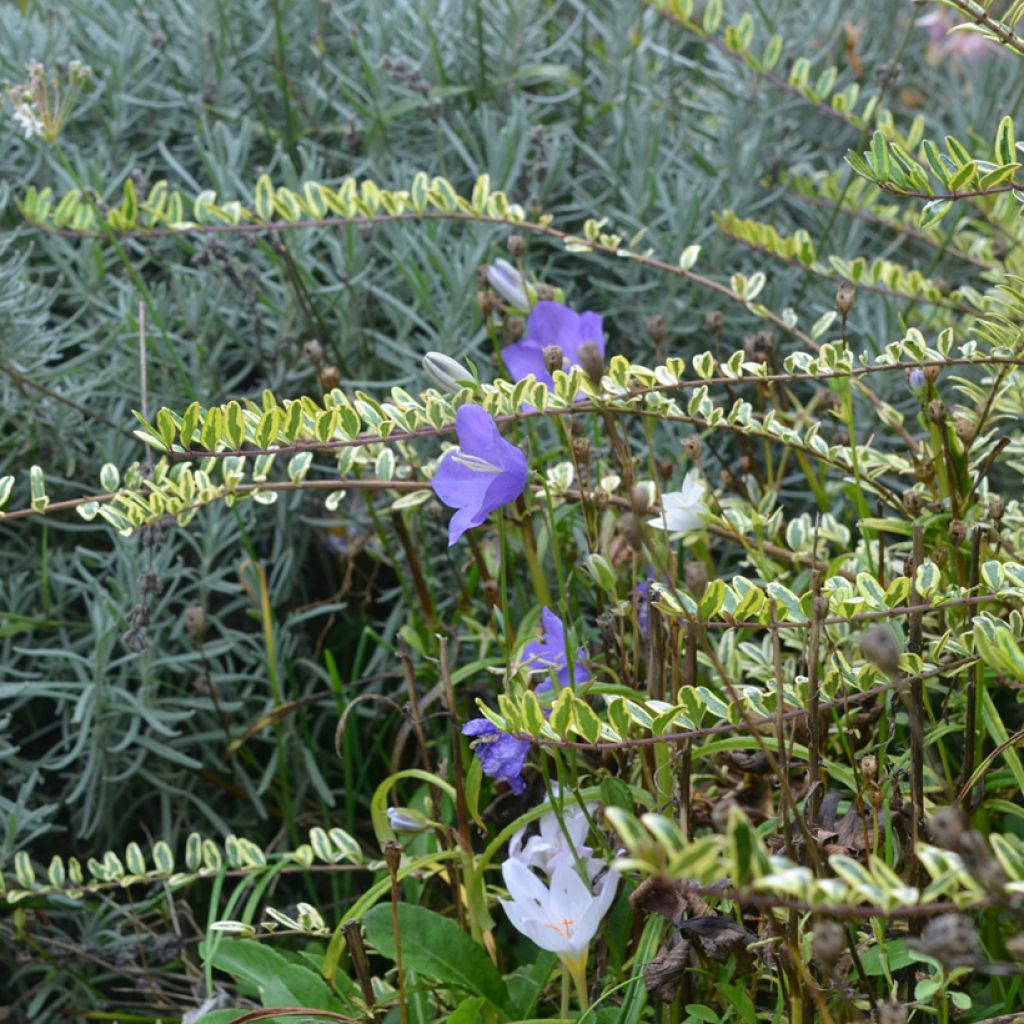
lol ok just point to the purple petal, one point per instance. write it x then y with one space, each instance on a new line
551 323
525 358
457 485
479 727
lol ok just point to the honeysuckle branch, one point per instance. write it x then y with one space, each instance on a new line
727 727
977 14
903 193
534 227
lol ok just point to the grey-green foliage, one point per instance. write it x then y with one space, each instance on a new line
582 109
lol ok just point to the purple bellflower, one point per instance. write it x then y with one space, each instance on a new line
482 474
547 655
502 757
552 324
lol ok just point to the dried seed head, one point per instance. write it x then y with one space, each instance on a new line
592 362
996 507
958 530
516 246
1015 947
964 429
913 502
492 593
759 346
581 450
879 646
487 301
330 377
946 826
714 321
392 856
696 575
936 410
952 939
869 767
554 358
639 500
313 351
149 583
599 496
512 330
845 296
820 607
891 1013
746 465
606 627
692 446
656 329
931 373
193 618
629 527
828 941
545 293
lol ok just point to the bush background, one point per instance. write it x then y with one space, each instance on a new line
578 109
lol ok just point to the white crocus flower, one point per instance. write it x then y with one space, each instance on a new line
506 280
554 846
562 918
681 510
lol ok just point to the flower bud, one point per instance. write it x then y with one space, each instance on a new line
656 329
313 351
554 358
845 295
330 377
629 527
404 819
916 378
506 280
591 361
516 246
445 373
639 499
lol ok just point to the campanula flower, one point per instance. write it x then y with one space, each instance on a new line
547 655
551 325
502 757
562 918
506 280
681 510
916 378
482 474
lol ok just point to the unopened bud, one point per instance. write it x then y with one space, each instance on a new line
656 329
313 351
845 295
404 819
445 373
330 377
629 527
592 362
554 358
506 280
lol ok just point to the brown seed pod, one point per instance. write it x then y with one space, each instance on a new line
879 645
330 377
845 296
